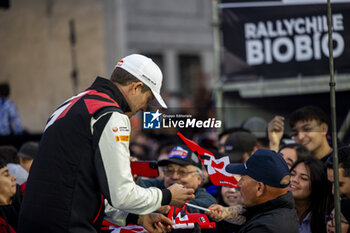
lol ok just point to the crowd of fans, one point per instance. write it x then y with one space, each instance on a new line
309 159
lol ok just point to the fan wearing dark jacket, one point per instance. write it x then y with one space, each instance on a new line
269 206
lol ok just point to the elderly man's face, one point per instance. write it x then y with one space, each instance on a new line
186 175
248 187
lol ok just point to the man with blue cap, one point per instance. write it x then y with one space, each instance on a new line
264 187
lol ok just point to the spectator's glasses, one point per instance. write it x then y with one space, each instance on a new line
331 218
181 172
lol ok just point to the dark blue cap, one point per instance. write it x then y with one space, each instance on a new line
181 155
265 166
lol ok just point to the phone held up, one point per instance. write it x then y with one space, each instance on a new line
144 168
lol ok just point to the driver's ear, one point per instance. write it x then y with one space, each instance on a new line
135 86
140 85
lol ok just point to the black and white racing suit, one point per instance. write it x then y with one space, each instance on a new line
83 159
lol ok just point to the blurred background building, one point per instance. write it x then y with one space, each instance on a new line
52 49
38 55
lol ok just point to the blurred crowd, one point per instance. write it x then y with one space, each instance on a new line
308 153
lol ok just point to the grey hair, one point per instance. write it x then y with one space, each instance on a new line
199 171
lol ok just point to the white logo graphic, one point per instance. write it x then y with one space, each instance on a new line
151 120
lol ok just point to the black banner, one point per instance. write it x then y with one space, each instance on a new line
277 40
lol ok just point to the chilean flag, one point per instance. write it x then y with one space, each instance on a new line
180 216
215 167
185 220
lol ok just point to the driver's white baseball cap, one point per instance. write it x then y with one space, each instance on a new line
144 69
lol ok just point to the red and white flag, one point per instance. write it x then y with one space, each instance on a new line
215 167
185 220
180 216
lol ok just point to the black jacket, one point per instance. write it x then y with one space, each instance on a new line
83 158
275 216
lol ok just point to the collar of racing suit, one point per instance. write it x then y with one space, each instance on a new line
108 87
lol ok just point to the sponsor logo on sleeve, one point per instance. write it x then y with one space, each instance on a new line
122 138
120 129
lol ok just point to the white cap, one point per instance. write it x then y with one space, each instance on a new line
144 69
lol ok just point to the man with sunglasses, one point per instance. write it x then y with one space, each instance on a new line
182 167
